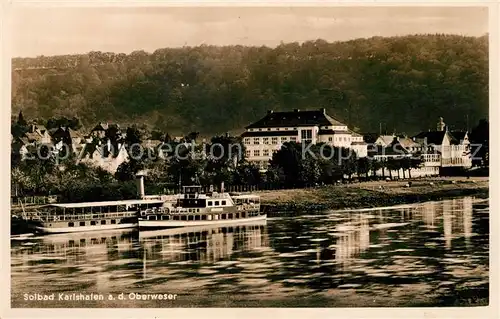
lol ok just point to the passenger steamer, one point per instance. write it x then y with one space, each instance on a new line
80 217
196 209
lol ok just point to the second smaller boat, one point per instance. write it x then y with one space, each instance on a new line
195 208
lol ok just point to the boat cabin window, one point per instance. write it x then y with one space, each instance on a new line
223 216
209 203
92 222
223 202
71 224
216 203
82 223
176 217
197 217
203 217
237 215
113 221
103 222
184 217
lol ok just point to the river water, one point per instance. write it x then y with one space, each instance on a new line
434 253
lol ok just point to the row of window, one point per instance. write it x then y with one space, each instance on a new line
203 217
339 128
338 139
306 136
248 153
93 223
273 129
266 140
216 203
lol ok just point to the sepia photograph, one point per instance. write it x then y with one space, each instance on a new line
249 156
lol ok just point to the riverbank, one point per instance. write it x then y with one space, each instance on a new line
372 194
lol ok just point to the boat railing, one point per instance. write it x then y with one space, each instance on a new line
58 217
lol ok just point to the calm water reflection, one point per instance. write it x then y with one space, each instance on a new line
420 254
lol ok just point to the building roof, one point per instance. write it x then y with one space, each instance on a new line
355 134
152 143
270 133
433 137
408 142
38 127
459 135
74 134
108 203
100 127
330 132
386 139
295 118
370 137
90 149
34 136
393 149
53 130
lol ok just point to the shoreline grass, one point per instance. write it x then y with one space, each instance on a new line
372 194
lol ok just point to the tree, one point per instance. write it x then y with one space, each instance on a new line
363 166
20 120
377 165
415 163
289 160
247 174
126 171
393 164
191 137
480 139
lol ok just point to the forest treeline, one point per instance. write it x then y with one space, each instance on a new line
400 84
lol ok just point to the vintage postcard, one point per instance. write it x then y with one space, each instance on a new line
249 156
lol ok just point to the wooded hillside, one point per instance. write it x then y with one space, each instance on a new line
406 83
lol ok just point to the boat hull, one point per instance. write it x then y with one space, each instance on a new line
182 223
52 230
150 232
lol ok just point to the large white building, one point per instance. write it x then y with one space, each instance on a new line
266 136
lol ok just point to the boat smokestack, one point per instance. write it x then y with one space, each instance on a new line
222 187
139 179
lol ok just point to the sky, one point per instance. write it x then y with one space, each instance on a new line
53 31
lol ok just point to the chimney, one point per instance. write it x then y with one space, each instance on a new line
139 179
296 110
323 110
270 112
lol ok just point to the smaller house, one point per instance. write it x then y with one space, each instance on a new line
38 134
104 155
99 130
